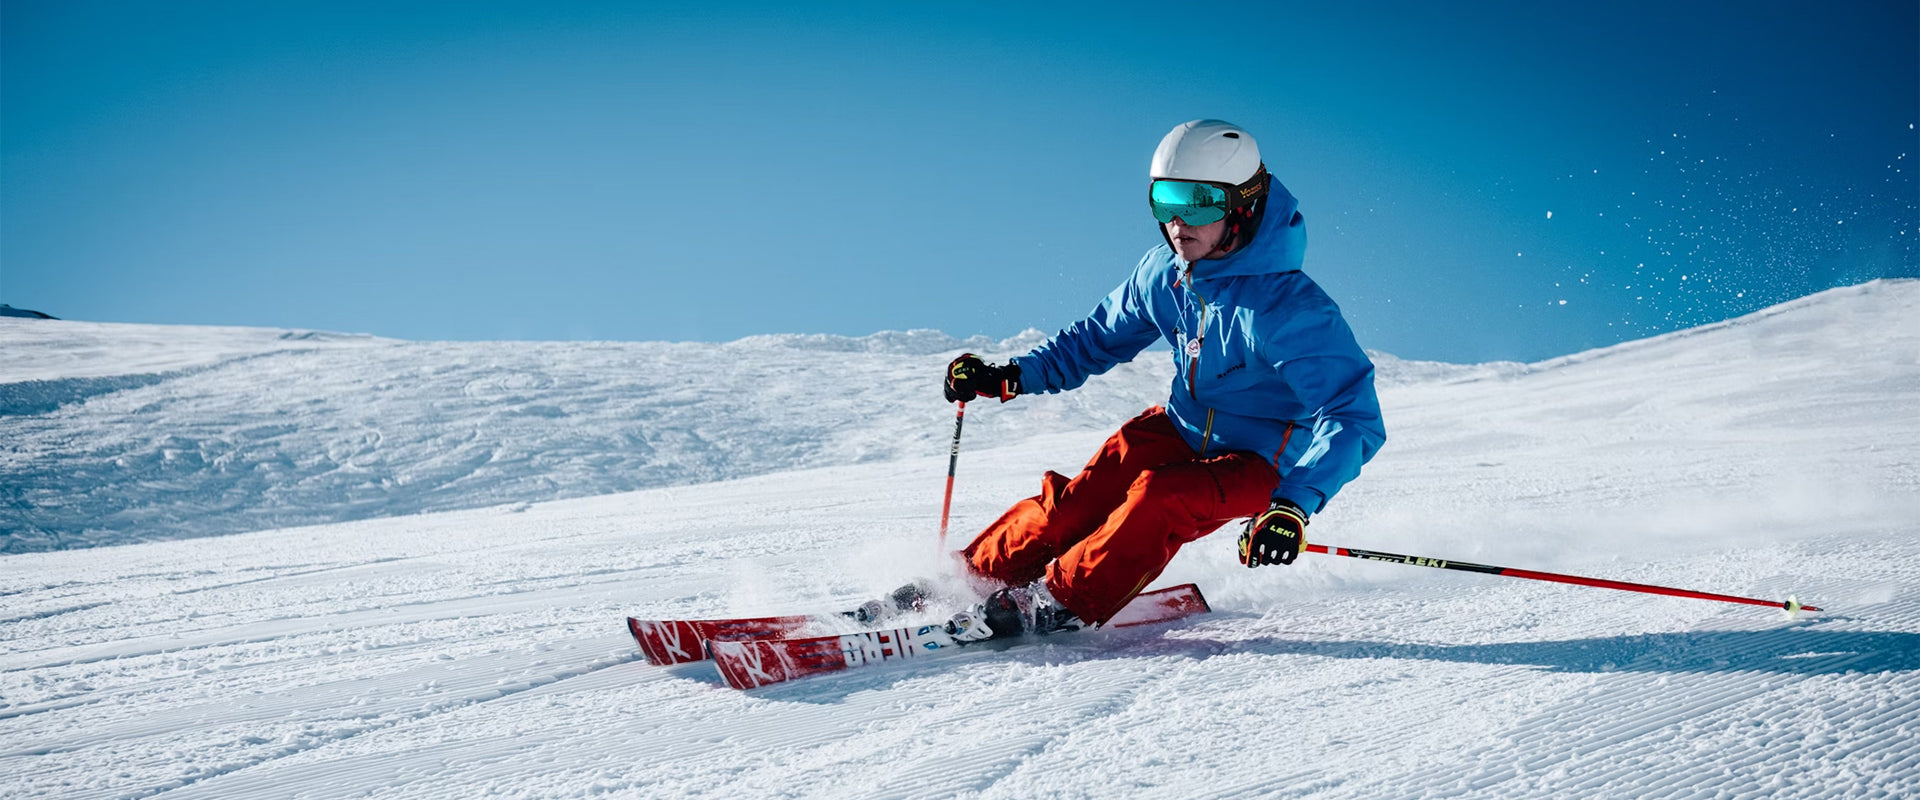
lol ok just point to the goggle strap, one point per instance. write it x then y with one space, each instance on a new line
1254 189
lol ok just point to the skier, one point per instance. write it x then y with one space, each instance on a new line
1272 407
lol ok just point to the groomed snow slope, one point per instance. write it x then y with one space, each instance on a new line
480 652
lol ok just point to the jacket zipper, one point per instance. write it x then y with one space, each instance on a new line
1193 360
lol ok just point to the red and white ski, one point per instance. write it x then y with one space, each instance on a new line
752 663
666 642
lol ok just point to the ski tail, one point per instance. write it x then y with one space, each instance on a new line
753 663
666 642
1161 605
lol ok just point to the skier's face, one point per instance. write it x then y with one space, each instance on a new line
1191 243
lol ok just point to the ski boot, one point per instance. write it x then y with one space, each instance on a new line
1014 611
899 603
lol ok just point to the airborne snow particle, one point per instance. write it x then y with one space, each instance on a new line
1563 302
1549 215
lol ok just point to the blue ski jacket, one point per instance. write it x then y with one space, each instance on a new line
1263 361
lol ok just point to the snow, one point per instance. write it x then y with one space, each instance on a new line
459 633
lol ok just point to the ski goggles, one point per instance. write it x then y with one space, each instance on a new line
1199 203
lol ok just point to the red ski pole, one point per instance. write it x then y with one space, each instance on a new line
946 507
1791 604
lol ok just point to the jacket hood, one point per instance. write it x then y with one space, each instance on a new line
1279 246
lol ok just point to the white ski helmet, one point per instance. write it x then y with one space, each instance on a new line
1207 150
1214 152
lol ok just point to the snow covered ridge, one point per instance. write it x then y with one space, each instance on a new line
121 433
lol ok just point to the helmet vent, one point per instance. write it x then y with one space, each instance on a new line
1206 150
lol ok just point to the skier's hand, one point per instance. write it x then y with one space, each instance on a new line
1275 537
968 377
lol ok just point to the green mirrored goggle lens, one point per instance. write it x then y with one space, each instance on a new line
1194 203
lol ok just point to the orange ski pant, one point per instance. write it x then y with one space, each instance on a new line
1102 536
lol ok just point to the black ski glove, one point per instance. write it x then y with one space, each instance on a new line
1277 536
968 377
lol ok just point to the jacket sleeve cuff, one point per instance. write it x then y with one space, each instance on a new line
1033 375
1308 499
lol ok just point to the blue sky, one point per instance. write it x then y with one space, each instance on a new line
1513 181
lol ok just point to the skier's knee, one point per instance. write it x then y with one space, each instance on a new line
1171 490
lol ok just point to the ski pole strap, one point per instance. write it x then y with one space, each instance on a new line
1790 604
